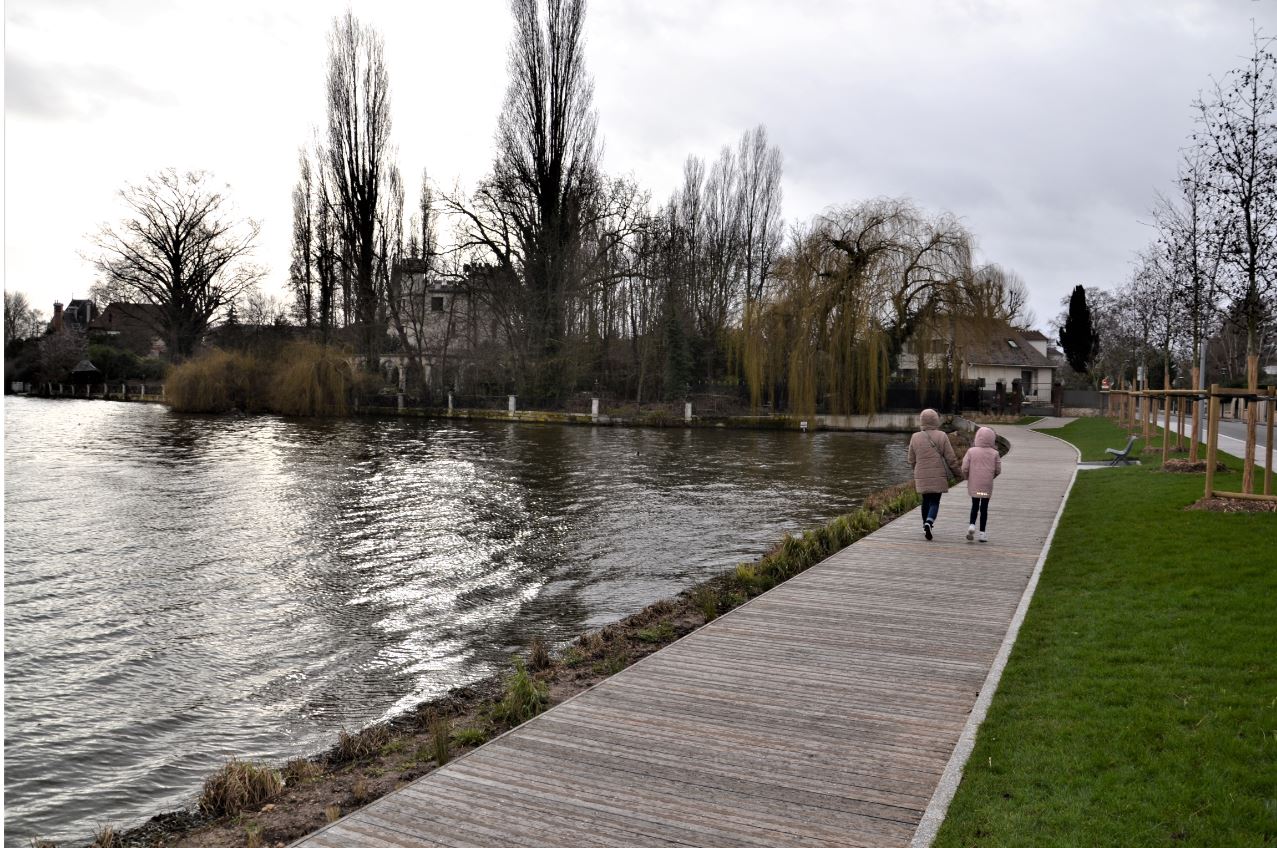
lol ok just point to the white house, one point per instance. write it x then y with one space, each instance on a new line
992 354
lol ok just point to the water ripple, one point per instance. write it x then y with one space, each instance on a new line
181 589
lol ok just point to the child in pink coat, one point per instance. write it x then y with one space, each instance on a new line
981 464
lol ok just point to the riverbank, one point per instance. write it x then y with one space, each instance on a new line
364 766
882 422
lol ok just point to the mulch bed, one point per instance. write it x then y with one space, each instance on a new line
1183 466
1233 505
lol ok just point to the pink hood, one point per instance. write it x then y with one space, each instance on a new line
982 463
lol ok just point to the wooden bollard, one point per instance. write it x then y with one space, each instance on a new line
1268 449
1212 434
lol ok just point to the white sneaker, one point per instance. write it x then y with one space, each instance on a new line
970 532
984 537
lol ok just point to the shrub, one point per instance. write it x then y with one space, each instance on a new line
239 786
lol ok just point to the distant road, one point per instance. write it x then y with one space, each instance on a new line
1232 438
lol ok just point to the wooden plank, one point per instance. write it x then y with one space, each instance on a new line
821 713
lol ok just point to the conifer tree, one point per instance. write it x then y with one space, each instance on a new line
1078 337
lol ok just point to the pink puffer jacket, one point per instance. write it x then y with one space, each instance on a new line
981 464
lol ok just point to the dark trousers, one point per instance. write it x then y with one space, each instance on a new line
930 507
980 506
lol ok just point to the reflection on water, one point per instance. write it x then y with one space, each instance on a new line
182 589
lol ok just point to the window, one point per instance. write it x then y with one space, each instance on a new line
436 303
1014 346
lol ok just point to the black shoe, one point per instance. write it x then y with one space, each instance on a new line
926 528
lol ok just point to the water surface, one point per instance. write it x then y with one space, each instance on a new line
182 589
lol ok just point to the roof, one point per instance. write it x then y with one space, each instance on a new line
1033 336
132 314
1005 346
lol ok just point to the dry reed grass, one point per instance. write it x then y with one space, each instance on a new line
238 786
539 658
357 746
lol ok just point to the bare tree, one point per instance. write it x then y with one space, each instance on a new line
528 213
1194 242
181 249
59 354
301 272
1239 131
21 319
358 153
761 166
327 252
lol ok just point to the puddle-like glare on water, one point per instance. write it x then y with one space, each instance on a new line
183 589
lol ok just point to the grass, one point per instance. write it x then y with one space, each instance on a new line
1139 706
1092 435
524 697
239 786
469 737
441 740
657 633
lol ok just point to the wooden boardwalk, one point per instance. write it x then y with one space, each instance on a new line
821 713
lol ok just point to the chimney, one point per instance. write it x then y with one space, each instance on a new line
57 317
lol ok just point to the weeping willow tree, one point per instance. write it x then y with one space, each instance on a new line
849 291
311 380
818 335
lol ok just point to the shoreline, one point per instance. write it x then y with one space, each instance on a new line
880 422
363 766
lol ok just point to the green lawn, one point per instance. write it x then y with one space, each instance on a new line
1093 435
1139 706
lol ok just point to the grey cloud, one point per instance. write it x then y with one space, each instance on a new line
62 92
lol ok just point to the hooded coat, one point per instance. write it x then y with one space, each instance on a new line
981 464
934 463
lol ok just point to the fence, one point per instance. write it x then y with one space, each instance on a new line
1174 406
101 391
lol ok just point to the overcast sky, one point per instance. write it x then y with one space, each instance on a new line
1046 127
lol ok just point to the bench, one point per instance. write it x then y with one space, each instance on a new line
1121 457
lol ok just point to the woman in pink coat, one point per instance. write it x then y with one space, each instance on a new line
981 464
